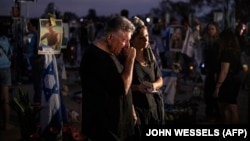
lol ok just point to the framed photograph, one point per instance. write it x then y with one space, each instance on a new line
15 12
50 38
65 35
176 38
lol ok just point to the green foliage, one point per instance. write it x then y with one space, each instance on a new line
28 115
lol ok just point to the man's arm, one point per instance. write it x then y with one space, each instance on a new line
128 67
58 39
222 76
44 36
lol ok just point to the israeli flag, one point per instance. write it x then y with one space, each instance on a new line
188 45
51 116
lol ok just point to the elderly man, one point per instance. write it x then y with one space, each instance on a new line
108 112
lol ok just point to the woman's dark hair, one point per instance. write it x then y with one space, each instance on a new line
228 40
139 25
215 24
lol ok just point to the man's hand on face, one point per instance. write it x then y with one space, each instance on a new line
129 53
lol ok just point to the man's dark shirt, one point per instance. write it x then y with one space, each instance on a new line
107 111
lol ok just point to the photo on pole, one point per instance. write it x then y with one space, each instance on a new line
15 11
50 38
176 38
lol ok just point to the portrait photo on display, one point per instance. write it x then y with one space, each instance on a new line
50 38
15 11
176 38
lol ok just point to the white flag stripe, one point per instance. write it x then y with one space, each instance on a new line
188 44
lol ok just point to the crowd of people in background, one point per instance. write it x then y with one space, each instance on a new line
219 49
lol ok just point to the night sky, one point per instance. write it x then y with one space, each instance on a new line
81 7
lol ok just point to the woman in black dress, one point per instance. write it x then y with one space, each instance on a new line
210 53
228 86
147 79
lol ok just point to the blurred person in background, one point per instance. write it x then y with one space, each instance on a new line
5 77
240 32
125 13
227 85
35 59
210 52
157 44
